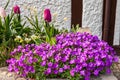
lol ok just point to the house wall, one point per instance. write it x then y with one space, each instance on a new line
92 16
60 9
117 25
92 12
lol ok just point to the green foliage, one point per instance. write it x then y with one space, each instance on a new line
18 27
14 31
36 28
7 4
44 30
50 32
5 32
39 75
75 28
6 38
10 27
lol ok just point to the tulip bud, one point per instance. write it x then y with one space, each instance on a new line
47 15
2 12
16 9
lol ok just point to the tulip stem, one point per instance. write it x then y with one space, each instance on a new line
46 30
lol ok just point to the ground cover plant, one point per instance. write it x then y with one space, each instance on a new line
75 56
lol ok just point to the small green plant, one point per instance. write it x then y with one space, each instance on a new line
11 26
6 40
44 29
37 29
75 28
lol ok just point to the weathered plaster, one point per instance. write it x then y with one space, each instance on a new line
92 12
117 25
92 16
60 7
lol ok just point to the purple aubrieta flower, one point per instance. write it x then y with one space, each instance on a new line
72 61
23 64
55 71
43 63
20 63
48 71
108 70
76 53
50 64
82 72
66 67
23 50
61 70
55 65
96 72
72 72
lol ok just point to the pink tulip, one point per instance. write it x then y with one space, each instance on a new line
47 15
16 9
2 12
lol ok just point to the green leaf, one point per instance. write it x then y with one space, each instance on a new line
47 39
36 21
37 41
7 4
51 32
53 40
30 21
0 22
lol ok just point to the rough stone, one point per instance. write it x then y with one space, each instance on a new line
108 77
10 74
21 79
117 74
115 66
4 73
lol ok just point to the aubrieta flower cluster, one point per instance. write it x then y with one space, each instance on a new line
23 60
76 53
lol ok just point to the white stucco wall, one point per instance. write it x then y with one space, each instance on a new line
92 12
92 16
60 7
117 25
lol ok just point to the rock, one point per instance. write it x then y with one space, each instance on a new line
10 74
9 78
21 79
4 73
108 77
96 78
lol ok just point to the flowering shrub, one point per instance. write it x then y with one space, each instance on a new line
74 56
23 63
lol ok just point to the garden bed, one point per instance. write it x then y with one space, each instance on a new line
40 51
